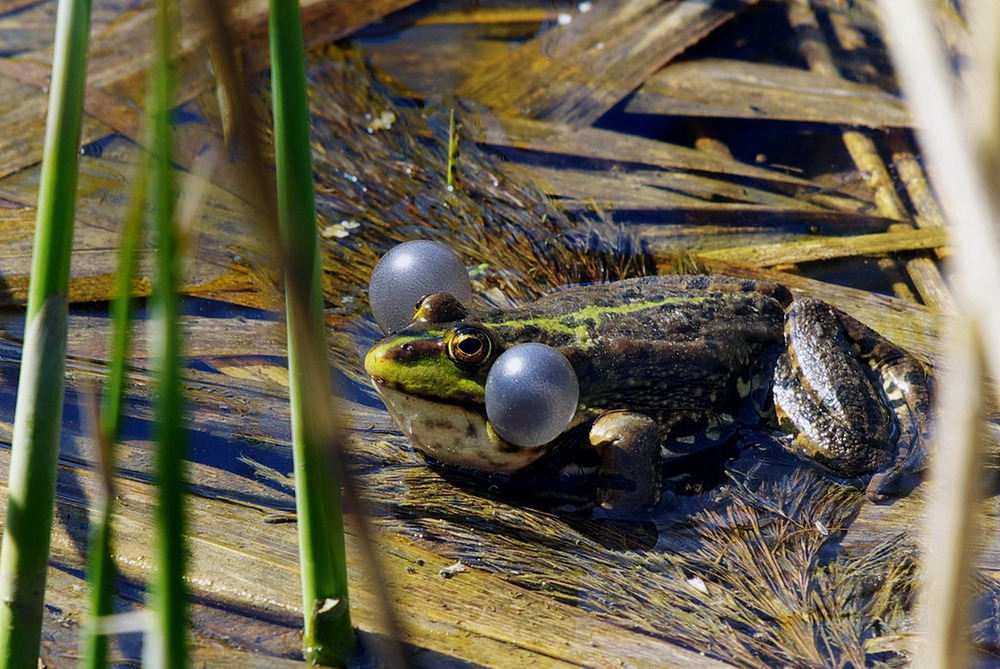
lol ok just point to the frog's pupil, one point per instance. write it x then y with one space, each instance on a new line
470 345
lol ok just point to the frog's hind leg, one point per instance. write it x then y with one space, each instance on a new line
854 402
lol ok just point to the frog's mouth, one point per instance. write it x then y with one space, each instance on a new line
455 434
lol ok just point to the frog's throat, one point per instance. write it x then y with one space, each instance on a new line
455 435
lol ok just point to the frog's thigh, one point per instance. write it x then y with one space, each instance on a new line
822 388
629 447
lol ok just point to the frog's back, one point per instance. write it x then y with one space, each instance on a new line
691 352
660 311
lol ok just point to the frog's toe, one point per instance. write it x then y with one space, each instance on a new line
883 485
628 478
891 481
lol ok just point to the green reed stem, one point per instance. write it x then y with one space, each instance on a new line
169 594
452 150
38 416
100 565
328 637
101 577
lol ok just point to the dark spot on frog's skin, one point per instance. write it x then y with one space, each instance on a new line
698 282
436 424
413 351
507 447
528 333
535 333
471 431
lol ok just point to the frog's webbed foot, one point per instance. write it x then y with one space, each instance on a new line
854 402
628 478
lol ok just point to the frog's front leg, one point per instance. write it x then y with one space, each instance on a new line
628 478
854 402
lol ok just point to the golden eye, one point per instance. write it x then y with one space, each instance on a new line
469 346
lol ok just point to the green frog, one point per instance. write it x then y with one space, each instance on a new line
666 366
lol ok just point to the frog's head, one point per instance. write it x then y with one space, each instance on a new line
432 377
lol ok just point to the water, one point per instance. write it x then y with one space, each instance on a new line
754 558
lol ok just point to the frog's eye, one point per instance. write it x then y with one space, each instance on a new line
469 347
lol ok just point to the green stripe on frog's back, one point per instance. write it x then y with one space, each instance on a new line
577 327
650 308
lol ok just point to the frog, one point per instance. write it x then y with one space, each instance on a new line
667 366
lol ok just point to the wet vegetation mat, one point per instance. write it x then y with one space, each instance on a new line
548 144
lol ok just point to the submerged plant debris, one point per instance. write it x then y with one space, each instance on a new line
390 186
751 573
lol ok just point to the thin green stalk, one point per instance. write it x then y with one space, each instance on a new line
38 416
328 637
452 150
100 576
100 565
169 594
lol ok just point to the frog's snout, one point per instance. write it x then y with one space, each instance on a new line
390 357
373 359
